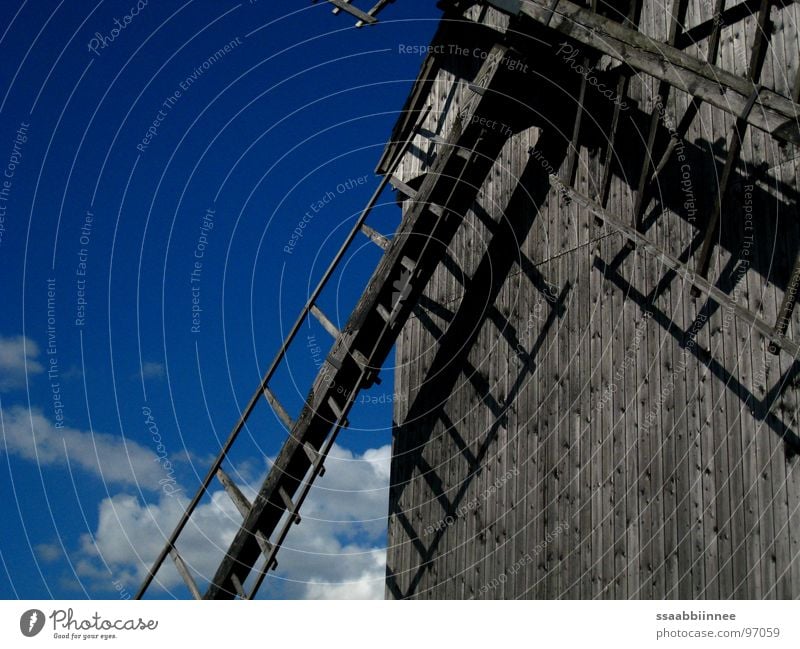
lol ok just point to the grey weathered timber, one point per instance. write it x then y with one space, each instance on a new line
402 187
622 87
773 113
678 16
757 56
796 89
183 570
234 493
324 320
692 278
689 115
655 428
278 407
376 237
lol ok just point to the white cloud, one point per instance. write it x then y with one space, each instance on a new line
368 585
17 359
353 489
152 370
337 550
30 435
49 552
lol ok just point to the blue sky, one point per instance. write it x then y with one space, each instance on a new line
192 139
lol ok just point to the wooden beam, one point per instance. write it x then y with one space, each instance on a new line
736 138
331 328
760 41
370 373
622 90
402 187
605 181
680 268
237 585
289 505
375 10
678 15
335 408
314 457
185 574
720 196
774 114
383 312
376 237
572 154
354 11
234 493
278 408
694 106
409 264
489 68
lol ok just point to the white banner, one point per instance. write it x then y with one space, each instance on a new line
398 624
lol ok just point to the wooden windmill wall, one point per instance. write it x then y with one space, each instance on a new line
570 421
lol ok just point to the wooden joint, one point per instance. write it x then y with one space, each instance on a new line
376 237
314 457
363 16
326 323
478 90
436 210
431 136
370 373
237 586
278 408
234 493
337 411
263 543
402 187
183 570
384 313
408 263
290 506
549 12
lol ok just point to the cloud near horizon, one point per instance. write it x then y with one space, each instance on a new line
28 434
337 552
18 356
